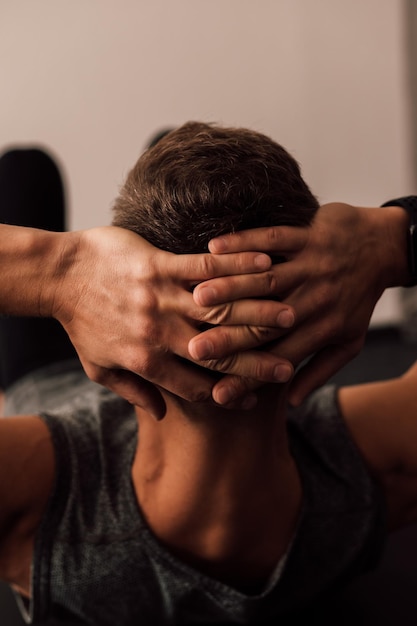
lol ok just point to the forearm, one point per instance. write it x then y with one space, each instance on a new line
30 261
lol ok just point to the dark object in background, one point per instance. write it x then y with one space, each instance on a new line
31 194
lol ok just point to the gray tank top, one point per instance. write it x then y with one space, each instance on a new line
97 562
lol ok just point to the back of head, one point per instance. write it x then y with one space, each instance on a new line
201 181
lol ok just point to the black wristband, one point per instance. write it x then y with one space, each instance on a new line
409 203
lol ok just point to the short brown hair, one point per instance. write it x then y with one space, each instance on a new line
201 181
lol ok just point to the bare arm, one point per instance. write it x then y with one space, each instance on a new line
128 307
28 258
382 418
26 477
336 271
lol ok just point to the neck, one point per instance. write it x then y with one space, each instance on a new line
220 488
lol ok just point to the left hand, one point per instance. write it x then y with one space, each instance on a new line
336 270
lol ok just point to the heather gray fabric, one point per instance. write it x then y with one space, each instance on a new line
96 561
47 388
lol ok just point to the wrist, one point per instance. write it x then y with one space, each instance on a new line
389 228
396 221
60 291
408 206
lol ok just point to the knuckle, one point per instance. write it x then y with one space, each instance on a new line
224 365
261 334
243 384
258 371
220 314
273 237
271 282
207 266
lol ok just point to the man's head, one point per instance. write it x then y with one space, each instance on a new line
201 181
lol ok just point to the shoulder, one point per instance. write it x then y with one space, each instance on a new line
94 436
92 516
328 455
340 496
382 419
27 473
320 426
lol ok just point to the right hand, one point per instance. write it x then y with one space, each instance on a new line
129 311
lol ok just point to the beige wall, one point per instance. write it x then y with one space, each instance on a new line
93 79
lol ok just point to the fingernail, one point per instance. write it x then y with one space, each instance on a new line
202 349
218 245
286 319
282 373
224 396
262 261
206 296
